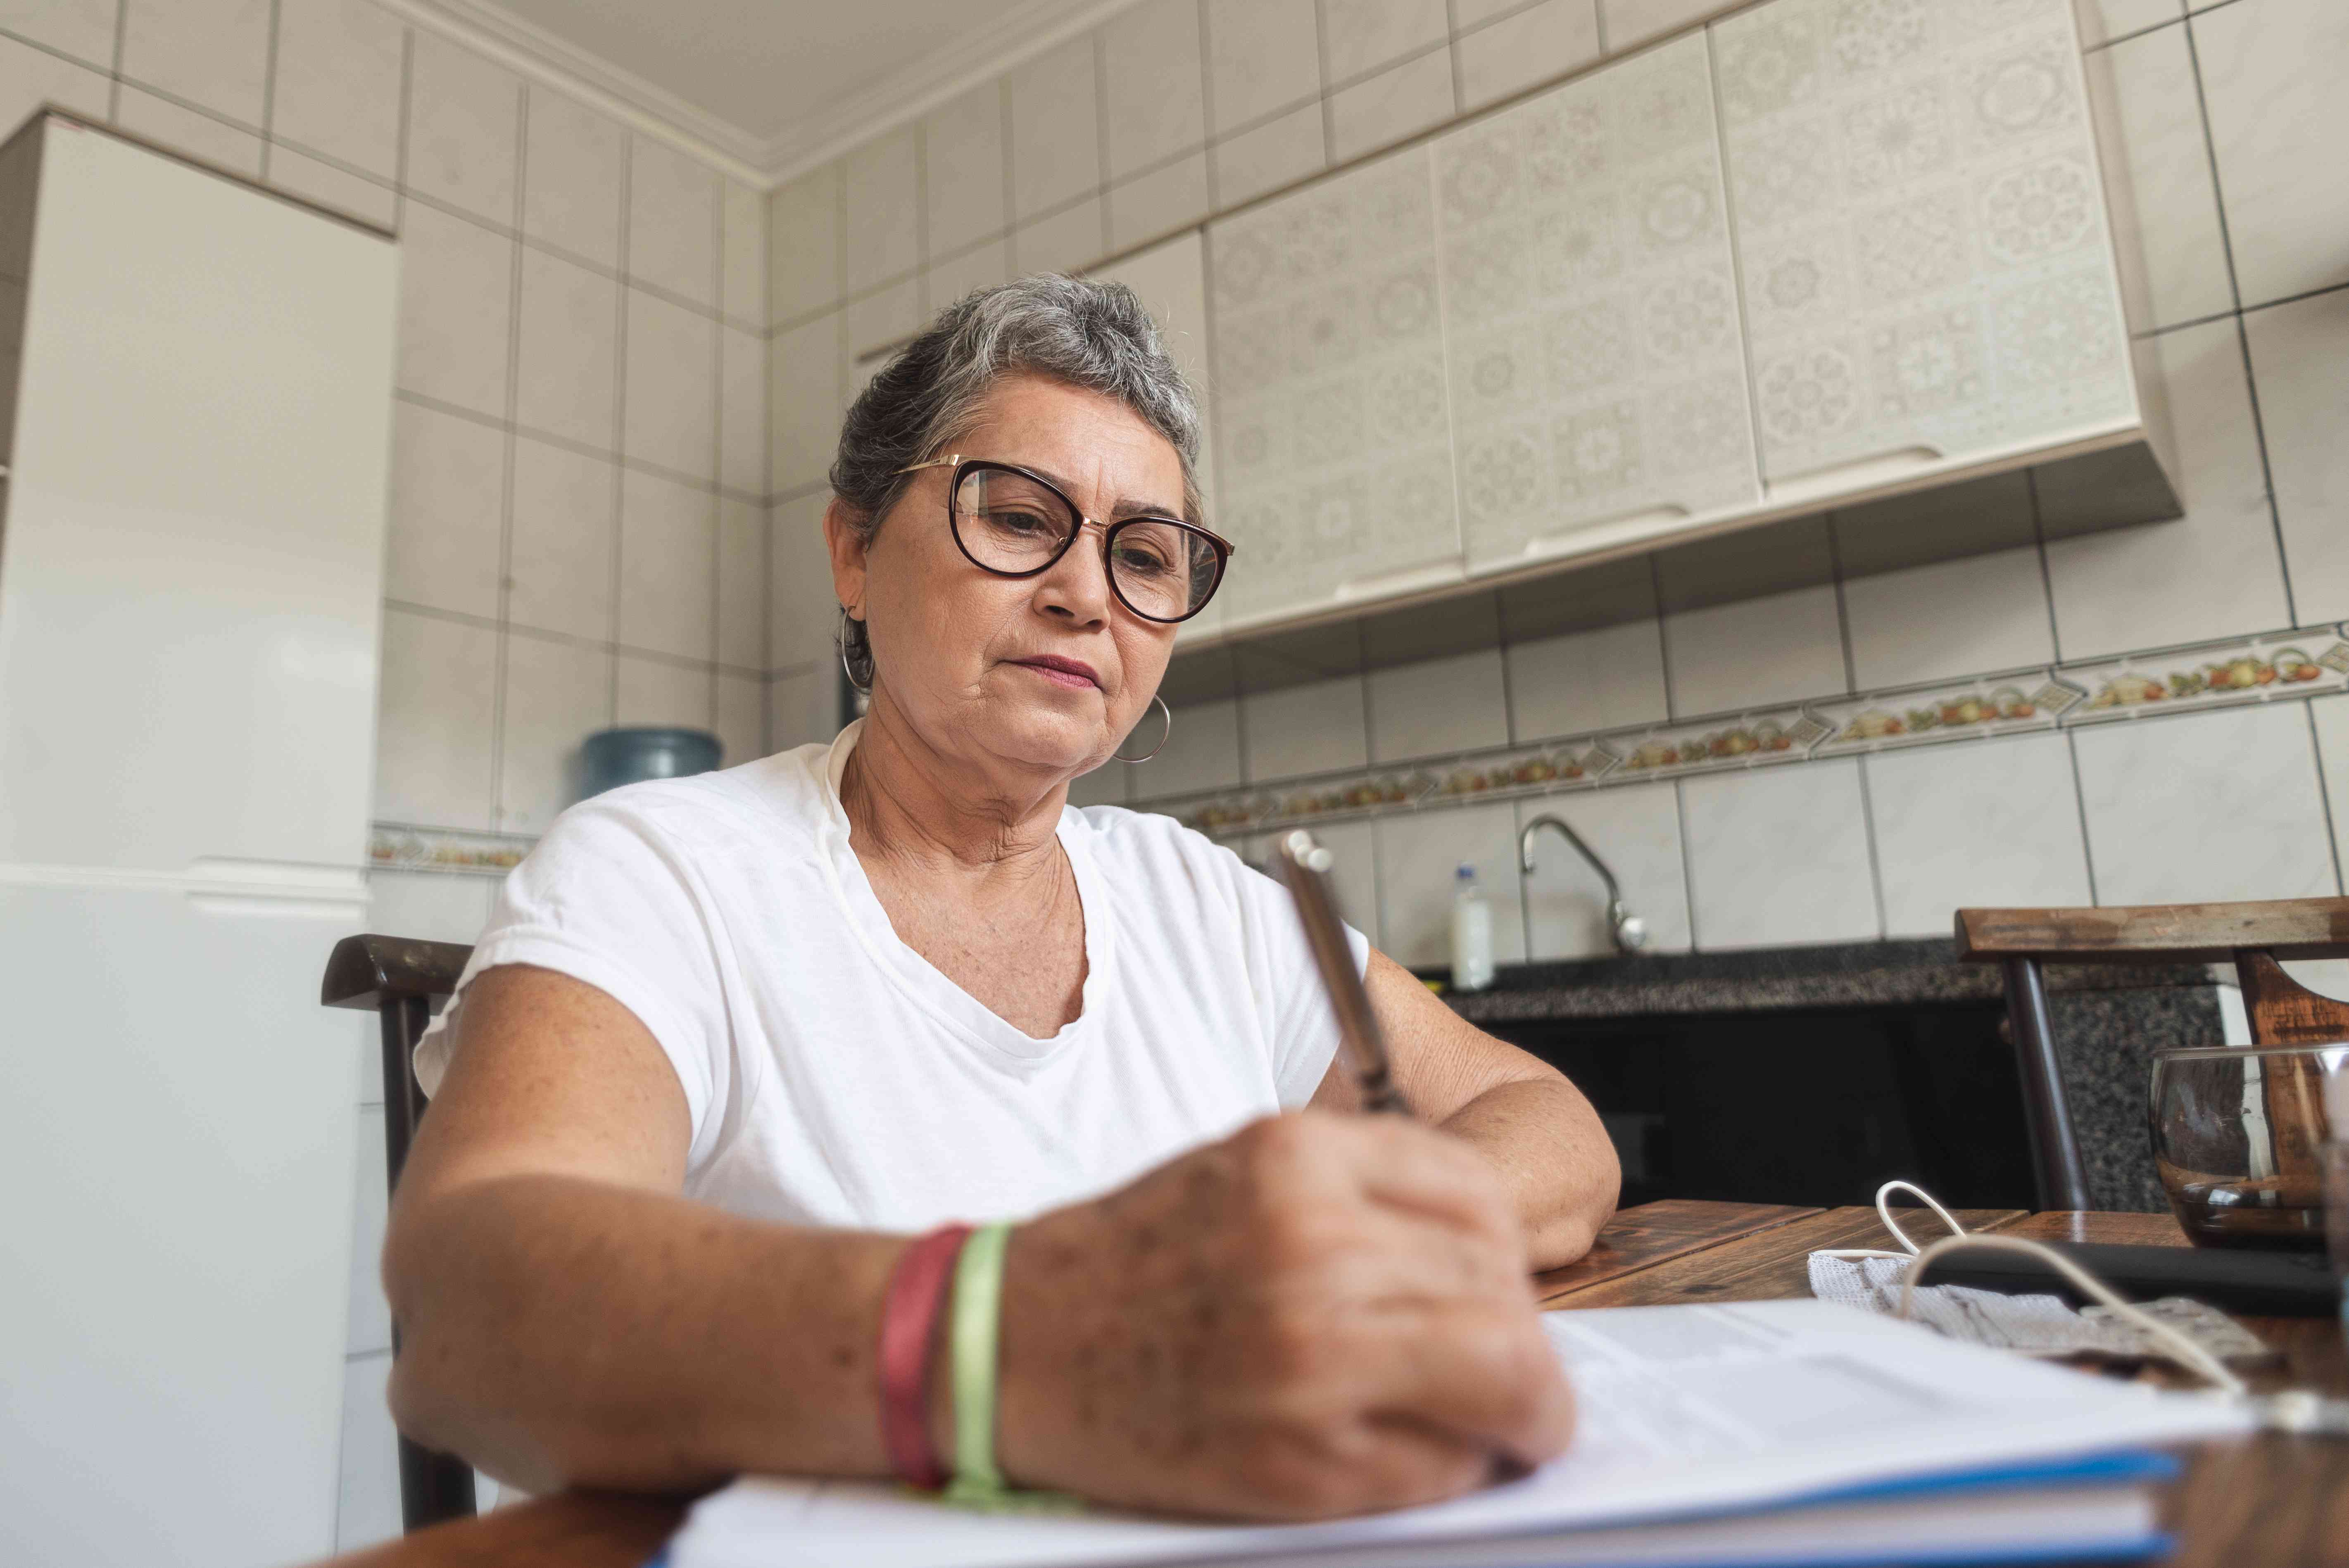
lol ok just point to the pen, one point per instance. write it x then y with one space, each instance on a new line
1305 868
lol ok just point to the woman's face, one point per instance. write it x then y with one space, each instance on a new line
1041 675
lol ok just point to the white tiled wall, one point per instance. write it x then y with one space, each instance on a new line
2229 130
580 468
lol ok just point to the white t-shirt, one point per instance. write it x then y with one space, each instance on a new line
834 1077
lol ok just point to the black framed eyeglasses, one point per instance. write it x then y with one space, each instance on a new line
1014 523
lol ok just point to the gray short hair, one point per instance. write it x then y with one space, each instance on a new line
1092 334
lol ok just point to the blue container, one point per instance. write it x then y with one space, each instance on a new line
634 753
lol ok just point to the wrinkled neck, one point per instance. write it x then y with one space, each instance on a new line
909 803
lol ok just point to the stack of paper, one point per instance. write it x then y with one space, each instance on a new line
1769 1432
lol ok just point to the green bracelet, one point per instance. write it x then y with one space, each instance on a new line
974 1337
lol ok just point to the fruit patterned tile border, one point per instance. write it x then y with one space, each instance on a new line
2281 666
2276 667
404 846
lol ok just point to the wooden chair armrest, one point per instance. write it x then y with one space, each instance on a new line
2157 934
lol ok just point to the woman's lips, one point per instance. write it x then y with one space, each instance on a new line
1072 673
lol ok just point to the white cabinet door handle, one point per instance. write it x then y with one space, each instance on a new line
1403 579
1856 474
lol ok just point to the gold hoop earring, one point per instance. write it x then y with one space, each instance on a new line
1162 738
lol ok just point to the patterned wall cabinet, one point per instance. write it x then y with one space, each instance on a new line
1927 275
1591 315
1333 416
1816 253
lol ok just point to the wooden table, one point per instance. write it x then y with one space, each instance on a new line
2264 1502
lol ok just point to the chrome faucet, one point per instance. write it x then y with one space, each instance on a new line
1630 932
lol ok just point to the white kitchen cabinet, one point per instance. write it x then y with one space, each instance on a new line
1334 451
1818 255
1172 279
1927 272
1590 313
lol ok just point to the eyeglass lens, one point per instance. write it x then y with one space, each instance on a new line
1010 523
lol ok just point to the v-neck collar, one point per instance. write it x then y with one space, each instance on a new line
921 980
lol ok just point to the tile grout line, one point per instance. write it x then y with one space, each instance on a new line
1875 859
1101 128
269 85
2235 293
1010 188
2325 799
1508 686
1688 861
1663 636
1207 109
623 250
511 446
766 479
2317 293
1843 609
2046 571
2099 47
1322 90
2267 469
718 446
2080 799
1459 102
578 448
114 70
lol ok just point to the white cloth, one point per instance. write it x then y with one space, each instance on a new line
2035 1325
834 1077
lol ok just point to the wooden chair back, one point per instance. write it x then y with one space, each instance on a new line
398 979
2251 936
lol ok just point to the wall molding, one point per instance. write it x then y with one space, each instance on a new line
1019 35
494 32
1032 29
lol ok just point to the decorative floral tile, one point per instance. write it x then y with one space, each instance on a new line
1919 173
1994 706
1535 770
1748 740
2279 666
2254 669
1590 306
397 846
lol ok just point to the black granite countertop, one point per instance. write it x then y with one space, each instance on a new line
1851 975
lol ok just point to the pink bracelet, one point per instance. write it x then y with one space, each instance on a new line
909 1315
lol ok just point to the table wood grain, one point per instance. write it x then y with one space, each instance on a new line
1658 1233
2261 1502
1768 1264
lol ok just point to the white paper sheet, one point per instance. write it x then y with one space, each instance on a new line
1685 1411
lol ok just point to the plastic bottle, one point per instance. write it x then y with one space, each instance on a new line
1471 934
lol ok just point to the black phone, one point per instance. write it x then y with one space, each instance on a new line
2262 1284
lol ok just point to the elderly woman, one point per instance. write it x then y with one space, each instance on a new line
729 1042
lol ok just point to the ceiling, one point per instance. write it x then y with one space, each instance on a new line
771 84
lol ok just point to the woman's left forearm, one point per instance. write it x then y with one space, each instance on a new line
1514 1108
1552 1150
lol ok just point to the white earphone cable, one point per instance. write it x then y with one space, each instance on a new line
2188 1352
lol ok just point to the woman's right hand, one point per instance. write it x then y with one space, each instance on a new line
1319 1315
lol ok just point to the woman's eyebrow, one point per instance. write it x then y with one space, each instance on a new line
1126 505
1129 506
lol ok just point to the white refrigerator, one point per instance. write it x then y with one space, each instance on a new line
196 380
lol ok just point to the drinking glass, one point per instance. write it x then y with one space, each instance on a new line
2238 1139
